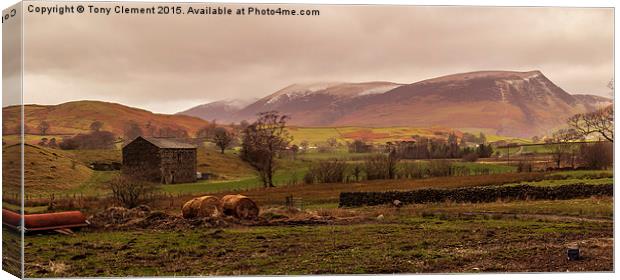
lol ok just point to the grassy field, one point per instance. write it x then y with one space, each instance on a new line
62 172
378 135
292 175
46 170
523 236
526 236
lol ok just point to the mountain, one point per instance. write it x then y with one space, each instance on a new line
223 111
507 103
510 103
593 102
315 104
76 117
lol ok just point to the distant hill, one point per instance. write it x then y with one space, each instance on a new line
222 111
315 104
76 117
593 102
518 104
311 103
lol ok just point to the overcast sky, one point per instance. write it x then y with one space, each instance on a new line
170 63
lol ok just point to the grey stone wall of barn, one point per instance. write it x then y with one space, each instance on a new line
142 159
178 165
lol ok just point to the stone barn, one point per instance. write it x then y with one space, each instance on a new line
160 160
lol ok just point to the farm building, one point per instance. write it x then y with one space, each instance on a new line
160 160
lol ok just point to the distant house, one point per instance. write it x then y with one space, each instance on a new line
160 160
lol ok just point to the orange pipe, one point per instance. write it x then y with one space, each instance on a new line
47 221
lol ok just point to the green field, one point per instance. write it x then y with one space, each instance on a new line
435 238
377 135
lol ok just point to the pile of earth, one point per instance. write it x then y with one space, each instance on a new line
142 217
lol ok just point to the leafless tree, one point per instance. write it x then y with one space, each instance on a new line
564 148
130 191
223 138
304 145
597 155
43 127
332 142
327 171
262 141
208 131
599 122
382 166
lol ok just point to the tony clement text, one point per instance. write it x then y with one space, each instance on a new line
92 9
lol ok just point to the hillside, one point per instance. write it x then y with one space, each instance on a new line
311 104
76 117
376 135
592 102
509 103
223 111
46 170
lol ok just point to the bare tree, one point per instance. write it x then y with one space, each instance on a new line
130 191
599 122
304 145
332 142
564 148
208 131
52 143
262 140
382 166
294 150
43 141
327 171
43 127
223 138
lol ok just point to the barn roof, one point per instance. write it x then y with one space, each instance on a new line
166 143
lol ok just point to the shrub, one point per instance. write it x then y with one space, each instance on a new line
93 140
327 171
380 167
130 191
356 171
413 170
309 178
456 170
470 157
359 146
524 166
440 168
598 155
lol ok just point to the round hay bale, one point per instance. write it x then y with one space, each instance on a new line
239 206
208 206
204 206
189 211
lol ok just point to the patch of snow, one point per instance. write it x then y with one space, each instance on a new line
378 89
300 90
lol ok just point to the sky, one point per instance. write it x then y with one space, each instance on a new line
167 64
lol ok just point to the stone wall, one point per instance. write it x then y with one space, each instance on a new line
475 194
